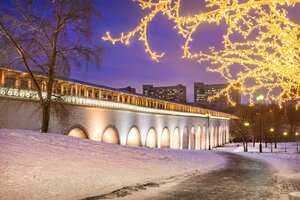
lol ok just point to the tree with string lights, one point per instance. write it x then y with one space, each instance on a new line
267 57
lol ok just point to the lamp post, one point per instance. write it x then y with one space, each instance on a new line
260 98
297 135
285 134
271 130
208 130
246 124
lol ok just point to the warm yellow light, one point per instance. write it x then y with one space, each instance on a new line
272 129
270 60
246 124
285 133
296 133
260 97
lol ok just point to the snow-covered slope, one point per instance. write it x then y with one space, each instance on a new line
52 166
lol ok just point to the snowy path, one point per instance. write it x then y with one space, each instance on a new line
242 178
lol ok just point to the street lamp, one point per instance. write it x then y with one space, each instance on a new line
271 130
297 135
260 98
208 130
285 134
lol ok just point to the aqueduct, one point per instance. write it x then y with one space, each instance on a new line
108 115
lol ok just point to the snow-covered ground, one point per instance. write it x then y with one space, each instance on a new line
285 164
52 166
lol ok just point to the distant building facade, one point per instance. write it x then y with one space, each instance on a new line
170 93
128 89
203 91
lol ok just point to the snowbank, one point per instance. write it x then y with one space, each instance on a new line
52 166
285 164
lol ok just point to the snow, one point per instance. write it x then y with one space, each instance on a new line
285 164
51 166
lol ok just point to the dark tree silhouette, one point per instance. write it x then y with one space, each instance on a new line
47 37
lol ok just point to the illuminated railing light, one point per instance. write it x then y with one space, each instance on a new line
27 94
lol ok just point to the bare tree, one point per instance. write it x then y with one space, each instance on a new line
47 37
272 118
240 132
292 117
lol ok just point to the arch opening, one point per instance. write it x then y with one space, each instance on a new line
134 138
111 136
192 138
212 136
151 140
176 139
204 138
185 141
165 138
78 133
198 139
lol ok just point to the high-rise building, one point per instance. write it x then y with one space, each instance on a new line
128 89
203 91
170 93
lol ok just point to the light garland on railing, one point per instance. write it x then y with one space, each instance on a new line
32 95
268 62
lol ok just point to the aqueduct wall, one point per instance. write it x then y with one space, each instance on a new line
118 126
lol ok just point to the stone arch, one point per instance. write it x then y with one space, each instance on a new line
212 137
220 136
78 131
110 135
204 138
185 138
192 137
134 138
216 136
165 138
176 138
198 145
208 137
151 140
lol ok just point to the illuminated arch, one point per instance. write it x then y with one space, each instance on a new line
220 135
111 136
204 138
185 138
176 139
198 139
192 138
165 138
216 136
208 136
151 140
134 138
212 137
78 131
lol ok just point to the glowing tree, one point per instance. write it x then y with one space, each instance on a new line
266 55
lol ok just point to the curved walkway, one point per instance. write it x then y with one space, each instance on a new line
242 178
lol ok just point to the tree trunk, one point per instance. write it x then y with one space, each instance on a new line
244 144
45 117
275 140
266 139
254 141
